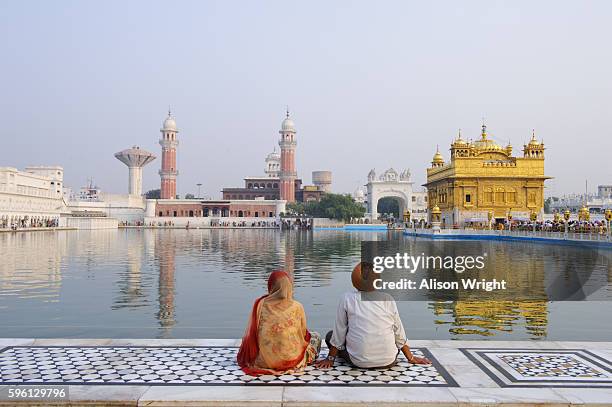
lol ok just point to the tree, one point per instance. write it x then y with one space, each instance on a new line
189 196
153 194
295 208
332 206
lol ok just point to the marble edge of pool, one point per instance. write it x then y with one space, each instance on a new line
326 396
417 343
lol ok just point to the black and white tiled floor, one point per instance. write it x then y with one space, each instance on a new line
198 365
542 368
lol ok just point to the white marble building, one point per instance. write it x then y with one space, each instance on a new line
389 184
31 197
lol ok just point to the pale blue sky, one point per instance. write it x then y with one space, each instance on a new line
369 84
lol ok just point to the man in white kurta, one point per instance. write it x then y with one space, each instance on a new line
367 333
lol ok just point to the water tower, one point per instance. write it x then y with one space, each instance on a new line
135 158
322 179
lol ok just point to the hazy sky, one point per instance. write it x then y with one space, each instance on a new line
369 84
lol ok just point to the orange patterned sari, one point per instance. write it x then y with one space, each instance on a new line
277 340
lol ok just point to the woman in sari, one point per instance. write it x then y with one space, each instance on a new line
276 340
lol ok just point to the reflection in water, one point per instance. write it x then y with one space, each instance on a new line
201 283
30 265
486 318
165 249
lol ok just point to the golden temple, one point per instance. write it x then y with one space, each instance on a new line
484 180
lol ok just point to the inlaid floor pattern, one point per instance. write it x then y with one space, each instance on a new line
199 365
543 367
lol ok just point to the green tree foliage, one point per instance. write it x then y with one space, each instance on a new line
332 206
153 194
189 196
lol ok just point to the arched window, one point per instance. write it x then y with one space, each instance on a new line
250 185
240 214
269 185
161 213
257 214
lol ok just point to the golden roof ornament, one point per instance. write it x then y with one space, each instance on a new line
437 160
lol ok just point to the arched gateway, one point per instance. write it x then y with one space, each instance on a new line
389 185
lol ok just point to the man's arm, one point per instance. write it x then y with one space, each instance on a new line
402 342
414 359
329 360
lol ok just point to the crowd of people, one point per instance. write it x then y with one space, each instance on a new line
297 224
573 226
25 222
366 333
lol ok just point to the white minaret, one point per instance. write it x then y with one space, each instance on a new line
135 159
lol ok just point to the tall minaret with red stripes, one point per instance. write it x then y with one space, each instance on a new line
288 173
168 172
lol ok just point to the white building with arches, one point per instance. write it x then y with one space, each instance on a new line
33 197
389 184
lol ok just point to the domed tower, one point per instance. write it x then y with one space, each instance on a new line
438 160
273 164
168 172
534 149
288 173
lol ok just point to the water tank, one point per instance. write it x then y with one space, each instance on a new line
322 179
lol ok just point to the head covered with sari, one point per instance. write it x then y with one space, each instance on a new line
276 337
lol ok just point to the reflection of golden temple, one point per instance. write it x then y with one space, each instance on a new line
483 176
486 318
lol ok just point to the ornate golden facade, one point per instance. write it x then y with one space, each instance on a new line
484 177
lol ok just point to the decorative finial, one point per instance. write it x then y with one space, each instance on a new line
459 134
533 134
287 111
169 111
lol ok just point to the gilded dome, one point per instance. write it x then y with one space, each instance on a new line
485 143
533 142
459 141
437 158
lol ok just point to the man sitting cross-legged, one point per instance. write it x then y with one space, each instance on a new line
367 333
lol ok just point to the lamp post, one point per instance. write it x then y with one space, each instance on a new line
584 215
199 185
534 217
435 219
510 220
609 219
407 217
566 216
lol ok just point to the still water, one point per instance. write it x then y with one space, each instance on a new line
202 283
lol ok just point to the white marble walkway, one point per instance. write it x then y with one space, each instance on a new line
465 373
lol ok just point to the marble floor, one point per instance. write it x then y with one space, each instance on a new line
204 372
